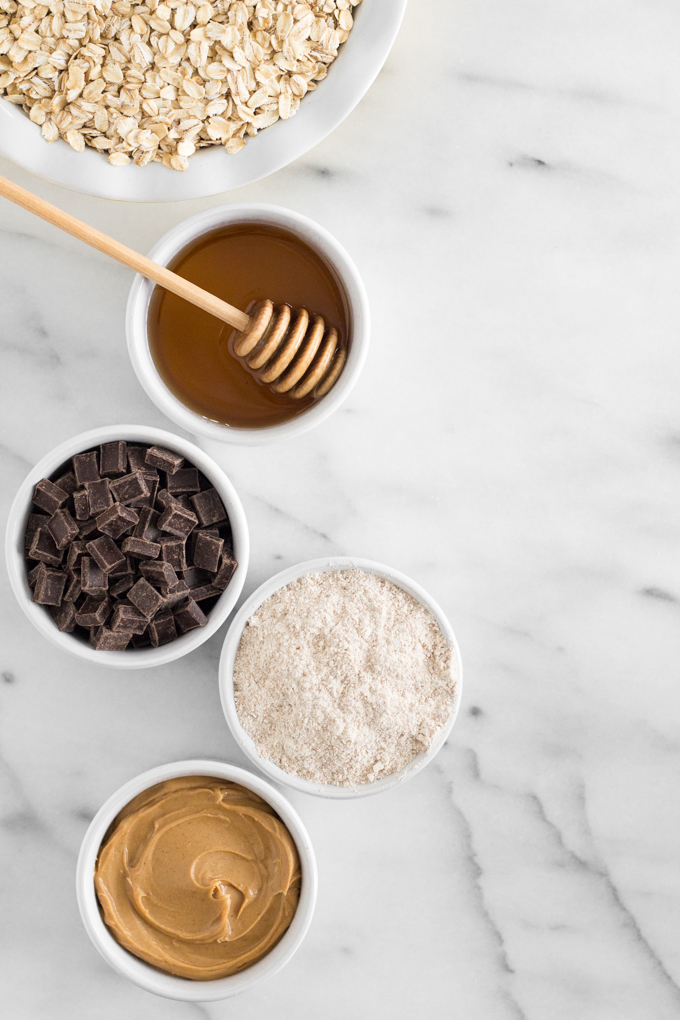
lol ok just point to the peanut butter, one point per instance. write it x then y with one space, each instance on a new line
199 877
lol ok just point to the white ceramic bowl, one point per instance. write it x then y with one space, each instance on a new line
230 648
143 974
16 565
212 171
202 223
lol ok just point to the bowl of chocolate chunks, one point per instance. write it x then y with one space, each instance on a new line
127 546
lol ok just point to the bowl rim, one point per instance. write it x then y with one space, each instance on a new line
185 233
349 79
37 614
144 974
226 676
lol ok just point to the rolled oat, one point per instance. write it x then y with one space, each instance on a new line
155 81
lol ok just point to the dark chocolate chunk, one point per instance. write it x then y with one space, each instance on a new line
207 551
81 504
195 577
86 467
164 499
191 541
148 579
141 548
93 579
226 571
43 548
173 551
99 496
214 531
171 596
64 616
106 553
147 525
129 487
189 616
120 587
209 507
162 629
113 459
93 612
128 617
184 480
111 640
206 591
62 528
149 499
88 527
136 456
75 553
158 573
177 521
126 567
67 482
146 598
164 459
35 521
116 521
74 588
49 496
49 586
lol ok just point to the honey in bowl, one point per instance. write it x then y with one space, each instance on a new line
240 263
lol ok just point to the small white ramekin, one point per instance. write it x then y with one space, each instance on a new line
230 647
136 658
143 974
203 223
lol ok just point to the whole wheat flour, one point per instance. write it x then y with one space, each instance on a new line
342 677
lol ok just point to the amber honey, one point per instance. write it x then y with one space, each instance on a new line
241 263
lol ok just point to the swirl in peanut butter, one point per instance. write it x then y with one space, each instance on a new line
199 877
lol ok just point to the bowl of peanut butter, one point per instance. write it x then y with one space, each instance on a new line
196 880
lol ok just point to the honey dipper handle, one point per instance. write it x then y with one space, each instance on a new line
151 270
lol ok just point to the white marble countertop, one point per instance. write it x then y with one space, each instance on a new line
509 189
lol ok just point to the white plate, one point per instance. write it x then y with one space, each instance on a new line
211 171
143 974
226 681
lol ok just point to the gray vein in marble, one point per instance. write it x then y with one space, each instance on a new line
202 1011
514 84
530 163
593 176
45 354
660 594
601 872
476 876
6 451
279 512
26 819
437 212
24 235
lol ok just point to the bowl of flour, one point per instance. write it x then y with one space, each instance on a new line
340 677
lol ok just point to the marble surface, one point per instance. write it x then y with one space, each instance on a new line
509 189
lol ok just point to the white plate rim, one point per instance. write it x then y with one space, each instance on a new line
230 647
212 171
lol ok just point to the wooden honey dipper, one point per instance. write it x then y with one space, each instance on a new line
290 351
289 354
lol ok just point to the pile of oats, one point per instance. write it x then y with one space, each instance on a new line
160 79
